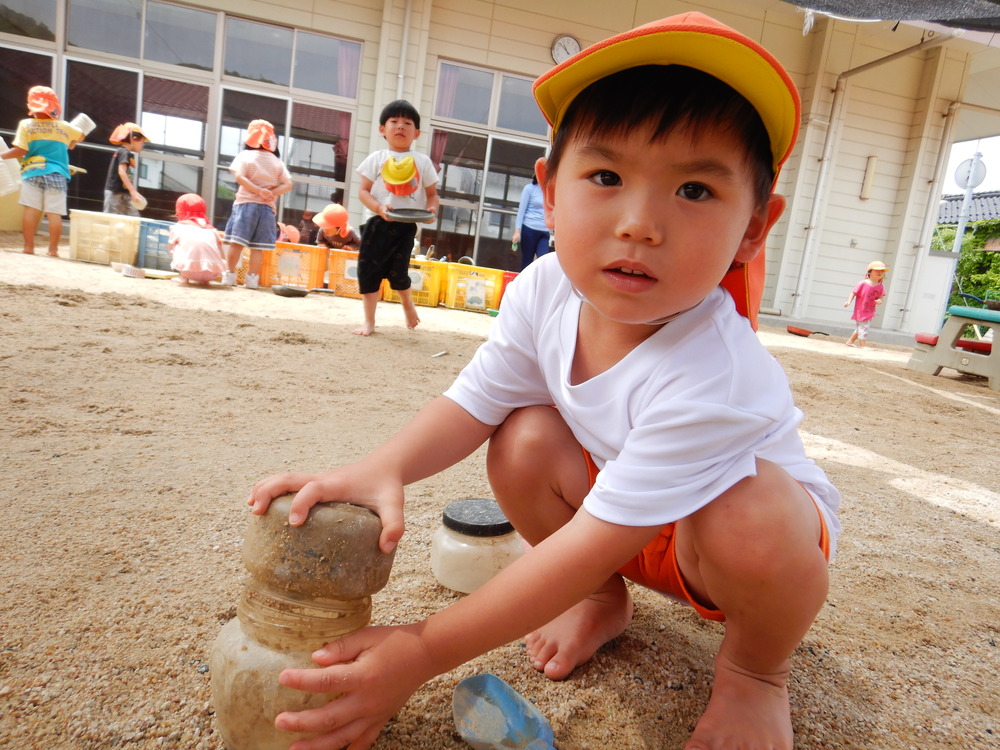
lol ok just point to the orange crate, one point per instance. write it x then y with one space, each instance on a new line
508 276
293 264
342 273
244 267
426 277
473 287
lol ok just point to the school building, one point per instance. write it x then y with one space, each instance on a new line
882 104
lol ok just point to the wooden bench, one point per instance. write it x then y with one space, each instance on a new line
950 349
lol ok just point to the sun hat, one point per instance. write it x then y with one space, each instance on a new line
694 40
333 218
191 207
124 133
43 101
260 134
877 265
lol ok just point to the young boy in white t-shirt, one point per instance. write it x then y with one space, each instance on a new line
672 456
396 177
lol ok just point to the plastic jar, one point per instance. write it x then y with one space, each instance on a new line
474 542
308 586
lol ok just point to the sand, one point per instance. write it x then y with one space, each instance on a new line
138 413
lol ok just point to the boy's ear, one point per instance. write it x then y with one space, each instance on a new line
548 191
760 225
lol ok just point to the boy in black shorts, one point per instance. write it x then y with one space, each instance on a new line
392 178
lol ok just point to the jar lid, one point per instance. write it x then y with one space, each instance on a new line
476 517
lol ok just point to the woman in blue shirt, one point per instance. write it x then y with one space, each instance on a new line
529 229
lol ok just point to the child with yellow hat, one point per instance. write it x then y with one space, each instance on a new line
120 193
42 144
672 456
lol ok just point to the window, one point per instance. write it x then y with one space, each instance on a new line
258 52
488 98
464 94
518 109
31 18
179 36
174 116
22 67
327 64
113 26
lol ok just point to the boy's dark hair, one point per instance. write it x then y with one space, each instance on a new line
400 108
667 97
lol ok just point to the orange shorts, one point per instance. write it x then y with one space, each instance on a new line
656 567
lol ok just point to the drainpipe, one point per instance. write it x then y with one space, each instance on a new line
826 162
403 45
933 208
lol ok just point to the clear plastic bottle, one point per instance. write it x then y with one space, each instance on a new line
308 585
474 542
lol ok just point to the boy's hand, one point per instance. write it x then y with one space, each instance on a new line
432 219
355 483
375 670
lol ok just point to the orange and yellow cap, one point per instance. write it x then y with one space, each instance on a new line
696 41
333 218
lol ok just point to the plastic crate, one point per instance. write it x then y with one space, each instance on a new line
154 244
473 287
342 273
426 279
103 238
508 276
293 264
244 266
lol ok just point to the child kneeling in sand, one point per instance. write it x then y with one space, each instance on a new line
672 457
195 245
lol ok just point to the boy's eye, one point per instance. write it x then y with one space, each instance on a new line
694 191
606 178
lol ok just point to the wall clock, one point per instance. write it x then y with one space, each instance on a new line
564 47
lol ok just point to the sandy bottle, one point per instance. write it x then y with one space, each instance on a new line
308 585
474 542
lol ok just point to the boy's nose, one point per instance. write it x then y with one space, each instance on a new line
640 221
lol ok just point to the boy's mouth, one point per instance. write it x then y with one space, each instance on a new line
630 272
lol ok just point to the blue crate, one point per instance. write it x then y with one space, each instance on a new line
154 247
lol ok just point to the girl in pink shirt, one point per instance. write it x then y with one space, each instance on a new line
867 296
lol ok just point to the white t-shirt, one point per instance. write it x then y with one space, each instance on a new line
674 424
371 168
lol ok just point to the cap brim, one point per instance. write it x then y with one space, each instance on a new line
693 40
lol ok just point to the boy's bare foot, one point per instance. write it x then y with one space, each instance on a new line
365 330
26 251
746 711
53 254
574 636
412 319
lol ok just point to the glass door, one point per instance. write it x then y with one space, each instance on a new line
481 177
239 108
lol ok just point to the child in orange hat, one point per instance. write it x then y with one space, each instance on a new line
261 177
335 231
672 458
195 248
42 143
120 193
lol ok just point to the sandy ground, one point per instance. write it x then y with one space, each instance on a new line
137 414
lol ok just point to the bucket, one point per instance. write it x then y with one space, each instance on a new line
139 203
10 173
84 123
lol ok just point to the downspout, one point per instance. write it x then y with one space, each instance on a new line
403 46
826 160
933 209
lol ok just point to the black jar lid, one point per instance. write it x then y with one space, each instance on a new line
476 517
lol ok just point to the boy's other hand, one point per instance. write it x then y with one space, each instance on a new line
375 670
353 484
